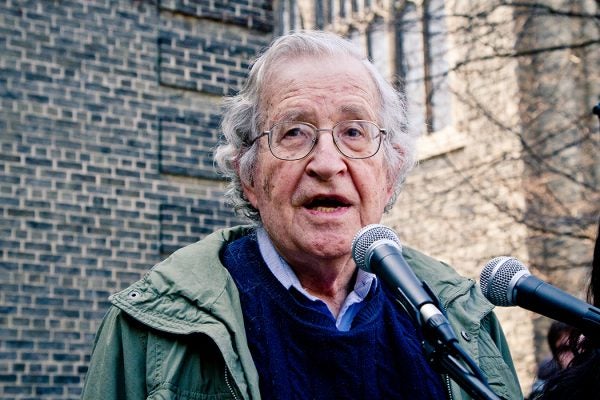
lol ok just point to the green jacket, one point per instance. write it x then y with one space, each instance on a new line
178 333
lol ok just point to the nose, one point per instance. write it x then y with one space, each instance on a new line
325 161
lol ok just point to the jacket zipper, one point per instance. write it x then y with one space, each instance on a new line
448 387
229 383
446 376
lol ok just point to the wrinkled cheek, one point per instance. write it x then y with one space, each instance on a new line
267 186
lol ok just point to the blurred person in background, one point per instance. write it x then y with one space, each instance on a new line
581 378
561 355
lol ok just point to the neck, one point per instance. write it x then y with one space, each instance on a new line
328 283
327 278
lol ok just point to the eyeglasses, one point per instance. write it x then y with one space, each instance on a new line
289 140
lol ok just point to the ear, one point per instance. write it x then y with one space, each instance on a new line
390 191
250 192
247 183
387 193
394 173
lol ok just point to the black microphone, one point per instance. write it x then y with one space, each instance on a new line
377 249
506 282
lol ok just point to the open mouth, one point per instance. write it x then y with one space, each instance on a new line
326 204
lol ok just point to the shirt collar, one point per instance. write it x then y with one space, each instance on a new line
286 275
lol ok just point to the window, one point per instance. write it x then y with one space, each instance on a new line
289 17
421 63
378 46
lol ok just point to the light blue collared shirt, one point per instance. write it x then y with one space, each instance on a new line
285 274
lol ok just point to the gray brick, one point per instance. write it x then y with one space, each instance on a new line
8 378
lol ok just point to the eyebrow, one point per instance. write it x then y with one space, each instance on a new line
294 115
351 111
355 111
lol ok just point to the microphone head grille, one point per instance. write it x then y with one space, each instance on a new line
496 279
365 238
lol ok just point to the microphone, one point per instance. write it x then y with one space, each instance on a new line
506 282
377 249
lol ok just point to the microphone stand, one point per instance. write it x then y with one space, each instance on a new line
444 362
443 351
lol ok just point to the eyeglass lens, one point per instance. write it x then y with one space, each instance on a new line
295 140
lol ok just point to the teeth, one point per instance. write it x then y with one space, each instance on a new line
325 209
326 205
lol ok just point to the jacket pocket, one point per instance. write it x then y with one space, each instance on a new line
186 367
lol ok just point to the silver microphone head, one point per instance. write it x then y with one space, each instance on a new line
498 279
364 240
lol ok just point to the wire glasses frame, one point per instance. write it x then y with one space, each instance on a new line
355 139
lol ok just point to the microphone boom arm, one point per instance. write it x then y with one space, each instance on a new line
472 384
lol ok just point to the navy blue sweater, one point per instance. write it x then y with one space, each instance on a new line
300 354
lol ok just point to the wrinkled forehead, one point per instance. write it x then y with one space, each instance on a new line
327 75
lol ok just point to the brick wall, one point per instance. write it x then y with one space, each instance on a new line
108 115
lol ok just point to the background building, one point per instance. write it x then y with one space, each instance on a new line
109 112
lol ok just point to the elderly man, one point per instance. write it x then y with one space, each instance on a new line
316 148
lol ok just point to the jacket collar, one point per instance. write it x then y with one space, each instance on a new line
179 294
